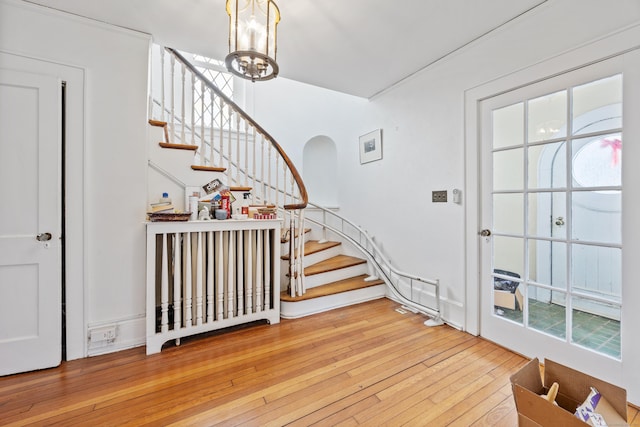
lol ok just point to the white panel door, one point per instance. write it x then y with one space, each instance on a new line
30 222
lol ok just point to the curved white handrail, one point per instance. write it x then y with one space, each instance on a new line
392 276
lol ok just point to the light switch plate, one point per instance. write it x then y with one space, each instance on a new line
439 196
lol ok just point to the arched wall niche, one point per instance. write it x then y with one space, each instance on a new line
319 166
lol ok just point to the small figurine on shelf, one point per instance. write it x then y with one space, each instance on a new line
204 214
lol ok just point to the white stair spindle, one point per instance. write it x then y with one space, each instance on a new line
173 99
162 80
203 140
193 108
277 189
300 258
177 282
294 197
270 149
246 154
230 133
292 261
237 149
221 139
262 157
182 105
229 146
211 130
253 174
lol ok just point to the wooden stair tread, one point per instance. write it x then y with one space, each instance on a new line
331 264
284 234
178 146
350 284
240 188
208 168
313 246
158 123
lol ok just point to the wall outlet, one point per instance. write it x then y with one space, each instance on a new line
106 333
439 196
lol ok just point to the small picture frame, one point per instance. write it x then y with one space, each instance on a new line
371 146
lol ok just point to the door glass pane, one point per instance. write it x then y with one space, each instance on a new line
547 310
597 105
508 126
508 254
597 271
508 170
548 263
508 299
597 161
508 213
547 166
547 215
547 117
596 325
597 216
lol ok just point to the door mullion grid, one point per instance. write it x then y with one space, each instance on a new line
569 217
525 196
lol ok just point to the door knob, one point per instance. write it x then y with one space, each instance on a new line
485 233
559 221
43 237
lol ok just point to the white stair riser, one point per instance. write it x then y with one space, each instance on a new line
335 275
284 248
294 310
178 162
322 255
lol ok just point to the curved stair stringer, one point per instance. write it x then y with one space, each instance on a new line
383 270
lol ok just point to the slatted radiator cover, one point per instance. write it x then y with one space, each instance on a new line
208 275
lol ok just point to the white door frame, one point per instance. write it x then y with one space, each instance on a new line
601 49
74 155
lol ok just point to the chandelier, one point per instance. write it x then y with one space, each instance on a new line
252 39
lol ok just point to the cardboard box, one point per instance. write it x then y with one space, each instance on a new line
507 299
574 387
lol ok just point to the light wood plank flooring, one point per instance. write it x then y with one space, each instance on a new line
361 365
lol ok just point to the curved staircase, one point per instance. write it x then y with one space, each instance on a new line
323 274
332 278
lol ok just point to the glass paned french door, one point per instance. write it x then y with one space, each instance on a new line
552 156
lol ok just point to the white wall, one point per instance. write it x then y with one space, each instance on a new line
113 156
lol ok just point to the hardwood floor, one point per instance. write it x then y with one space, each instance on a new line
365 364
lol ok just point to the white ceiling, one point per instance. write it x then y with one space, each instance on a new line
359 47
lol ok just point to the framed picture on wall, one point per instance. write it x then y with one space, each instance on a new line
371 146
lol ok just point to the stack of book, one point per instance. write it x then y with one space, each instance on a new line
162 207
